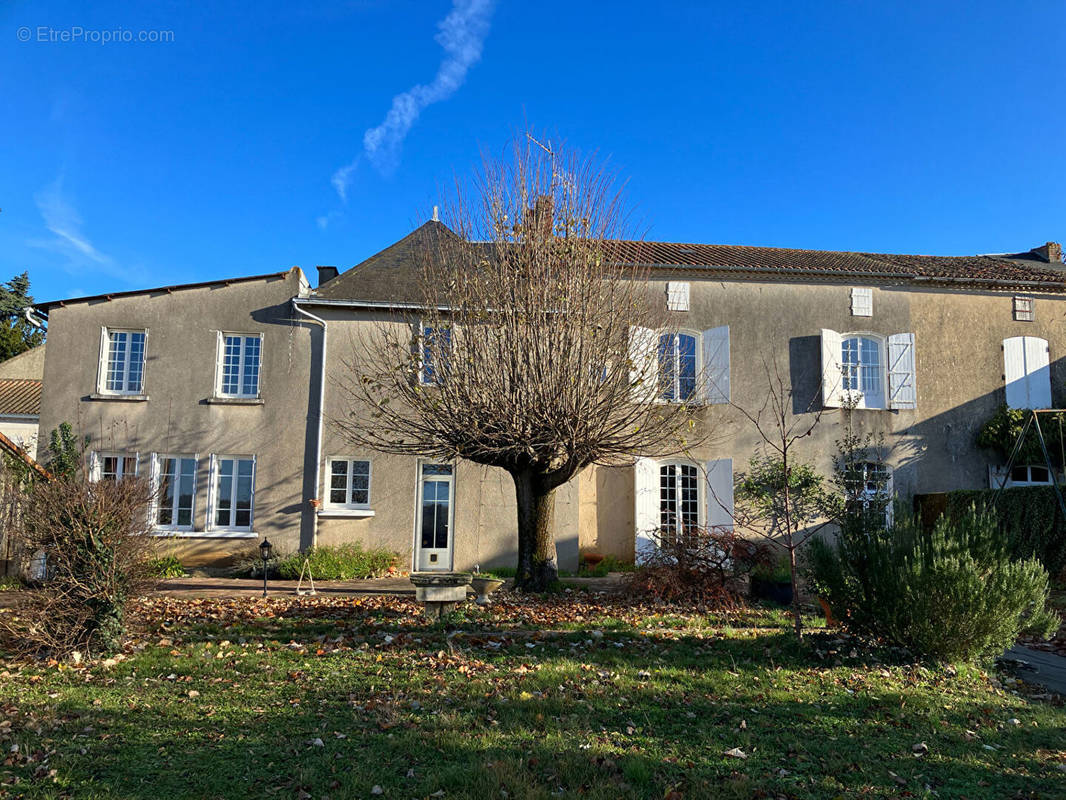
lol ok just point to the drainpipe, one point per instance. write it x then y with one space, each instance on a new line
321 417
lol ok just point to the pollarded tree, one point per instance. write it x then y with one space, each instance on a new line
538 343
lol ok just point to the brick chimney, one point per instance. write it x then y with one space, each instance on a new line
1050 252
326 274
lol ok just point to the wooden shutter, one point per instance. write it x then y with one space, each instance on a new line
998 477
862 302
1026 372
94 466
643 363
716 365
154 480
902 387
720 493
677 295
646 506
832 377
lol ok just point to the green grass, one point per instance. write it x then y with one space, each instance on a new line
297 697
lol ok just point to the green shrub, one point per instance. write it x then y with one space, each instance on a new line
343 563
1029 517
166 567
952 593
609 564
10 583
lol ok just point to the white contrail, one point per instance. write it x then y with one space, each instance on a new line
462 34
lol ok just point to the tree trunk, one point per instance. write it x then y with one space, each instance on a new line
538 567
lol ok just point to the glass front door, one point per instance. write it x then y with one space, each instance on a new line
434 517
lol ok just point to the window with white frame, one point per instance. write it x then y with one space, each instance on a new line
122 361
679 499
1029 475
862 301
677 295
863 367
1023 308
678 366
868 483
114 466
239 359
175 492
436 351
349 483
233 493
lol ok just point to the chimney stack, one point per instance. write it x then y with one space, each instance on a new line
1050 252
326 274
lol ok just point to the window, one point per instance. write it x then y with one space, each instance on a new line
1029 475
349 483
436 347
233 492
122 357
113 466
679 499
868 370
677 367
863 371
238 365
677 295
1023 308
868 483
862 302
176 492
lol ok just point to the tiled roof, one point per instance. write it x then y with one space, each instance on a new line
20 396
393 275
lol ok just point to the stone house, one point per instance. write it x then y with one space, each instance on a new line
223 392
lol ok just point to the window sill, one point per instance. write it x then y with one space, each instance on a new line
120 398
234 401
346 512
216 534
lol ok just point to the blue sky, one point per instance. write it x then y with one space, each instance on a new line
899 127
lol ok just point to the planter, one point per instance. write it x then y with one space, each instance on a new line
592 559
484 587
779 592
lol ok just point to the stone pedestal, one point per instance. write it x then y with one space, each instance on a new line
440 592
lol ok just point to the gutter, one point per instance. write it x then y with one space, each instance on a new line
315 503
392 304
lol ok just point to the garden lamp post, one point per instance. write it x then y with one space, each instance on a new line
266 549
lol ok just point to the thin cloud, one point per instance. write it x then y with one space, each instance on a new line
63 220
462 35
342 178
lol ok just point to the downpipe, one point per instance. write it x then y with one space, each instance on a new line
314 501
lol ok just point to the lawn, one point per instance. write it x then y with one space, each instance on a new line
576 696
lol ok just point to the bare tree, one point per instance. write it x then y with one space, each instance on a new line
536 348
781 497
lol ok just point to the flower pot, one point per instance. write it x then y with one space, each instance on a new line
484 587
779 592
592 559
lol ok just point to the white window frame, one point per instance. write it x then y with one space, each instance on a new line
96 463
220 363
1010 481
212 526
858 396
158 460
697 390
105 360
700 489
422 337
1020 312
347 504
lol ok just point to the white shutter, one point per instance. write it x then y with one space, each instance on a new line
94 466
1038 372
902 388
998 477
716 365
101 366
677 295
832 377
154 473
862 302
643 363
646 506
1026 372
720 493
